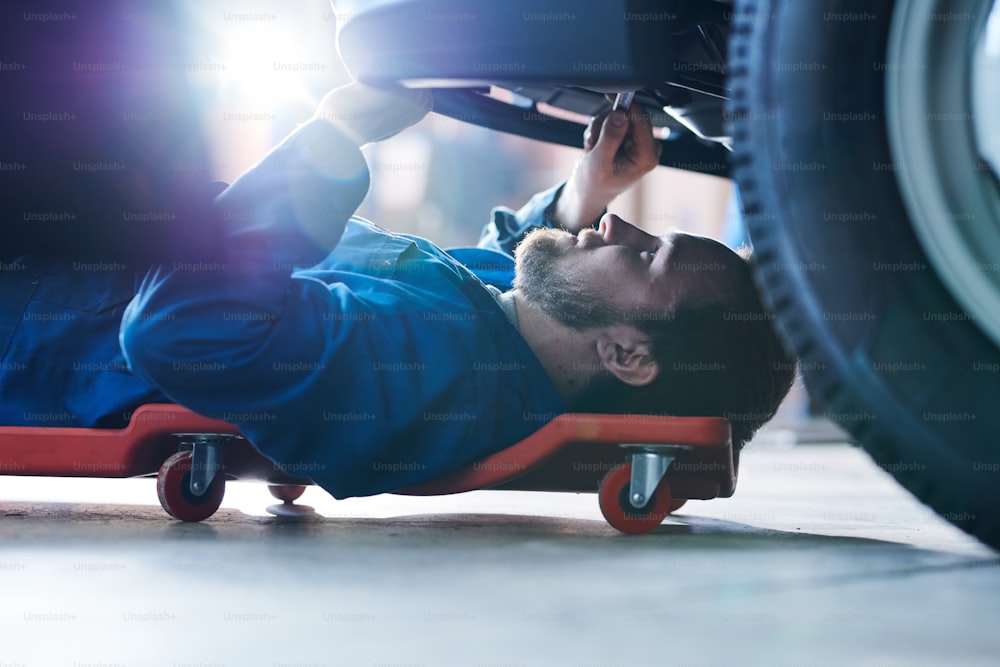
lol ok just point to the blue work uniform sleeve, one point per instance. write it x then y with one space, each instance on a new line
208 331
508 227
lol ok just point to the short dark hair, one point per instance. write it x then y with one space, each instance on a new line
717 358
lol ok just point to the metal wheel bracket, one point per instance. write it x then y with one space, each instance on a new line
206 458
204 466
648 469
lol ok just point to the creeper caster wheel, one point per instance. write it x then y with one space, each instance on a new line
288 494
173 488
621 513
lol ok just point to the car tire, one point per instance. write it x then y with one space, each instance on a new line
885 345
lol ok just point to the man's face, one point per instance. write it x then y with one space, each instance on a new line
600 277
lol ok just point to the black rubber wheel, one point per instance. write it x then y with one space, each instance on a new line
885 346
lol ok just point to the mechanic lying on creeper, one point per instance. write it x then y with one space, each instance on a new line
388 362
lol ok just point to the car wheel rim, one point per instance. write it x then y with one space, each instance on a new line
942 89
986 89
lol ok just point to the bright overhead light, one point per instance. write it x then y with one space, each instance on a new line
251 55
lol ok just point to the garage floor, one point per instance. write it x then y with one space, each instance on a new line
819 559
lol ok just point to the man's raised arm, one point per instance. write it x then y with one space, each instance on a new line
618 150
209 331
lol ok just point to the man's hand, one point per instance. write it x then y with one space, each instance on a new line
368 113
618 150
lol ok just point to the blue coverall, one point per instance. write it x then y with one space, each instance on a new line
379 364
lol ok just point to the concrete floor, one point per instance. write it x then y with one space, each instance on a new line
819 559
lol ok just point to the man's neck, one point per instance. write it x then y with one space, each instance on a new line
566 355
506 301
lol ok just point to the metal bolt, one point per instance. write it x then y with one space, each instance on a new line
638 499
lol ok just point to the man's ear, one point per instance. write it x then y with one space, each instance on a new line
627 355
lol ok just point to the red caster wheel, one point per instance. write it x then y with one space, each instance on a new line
617 508
286 493
173 488
676 504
